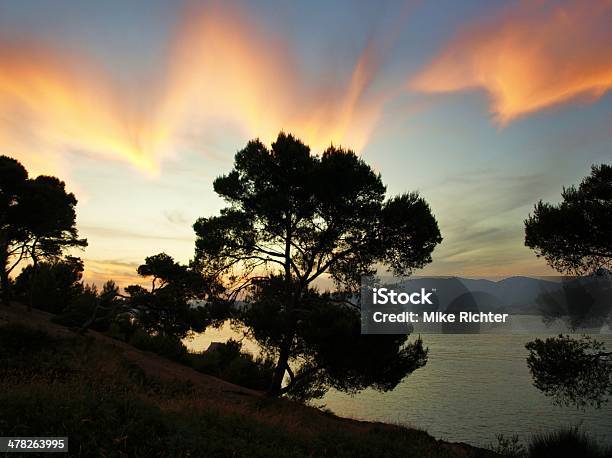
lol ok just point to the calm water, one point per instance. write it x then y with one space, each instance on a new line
472 388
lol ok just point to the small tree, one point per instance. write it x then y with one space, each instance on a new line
292 218
167 308
575 236
96 310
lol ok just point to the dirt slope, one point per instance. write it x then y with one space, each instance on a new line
225 397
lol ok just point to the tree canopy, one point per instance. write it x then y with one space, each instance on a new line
575 238
167 308
37 218
571 371
574 235
293 217
56 284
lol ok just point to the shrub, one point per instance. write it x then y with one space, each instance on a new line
509 446
108 406
566 442
52 285
123 327
96 424
229 362
167 346
18 339
92 310
79 310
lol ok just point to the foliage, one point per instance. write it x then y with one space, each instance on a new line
123 327
37 218
510 447
51 285
92 309
581 302
328 348
109 407
126 425
566 442
574 236
18 341
78 310
167 307
229 362
292 217
570 442
165 345
571 371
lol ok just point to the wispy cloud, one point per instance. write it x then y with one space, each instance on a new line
221 70
532 56
51 104
177 217
226 69
484 235
119 233
121 272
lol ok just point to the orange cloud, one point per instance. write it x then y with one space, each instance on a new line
531 57
97 272
223 68
50 105
222 72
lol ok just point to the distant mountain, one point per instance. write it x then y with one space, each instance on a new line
513 294
523 291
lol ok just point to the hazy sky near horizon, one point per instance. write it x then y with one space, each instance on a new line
484 107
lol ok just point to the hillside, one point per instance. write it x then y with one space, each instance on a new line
514 294
114 400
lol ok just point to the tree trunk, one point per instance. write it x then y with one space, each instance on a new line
91 320
283 358
33 277
5 286
5 283
281 366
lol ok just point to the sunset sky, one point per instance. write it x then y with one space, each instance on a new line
483 106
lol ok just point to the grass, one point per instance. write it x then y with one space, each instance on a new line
108 405
113 401
568 442
106 425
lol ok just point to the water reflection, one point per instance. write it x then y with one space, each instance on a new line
473 387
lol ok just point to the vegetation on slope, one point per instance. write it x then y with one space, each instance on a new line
113 400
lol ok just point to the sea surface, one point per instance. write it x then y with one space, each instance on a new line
473 387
